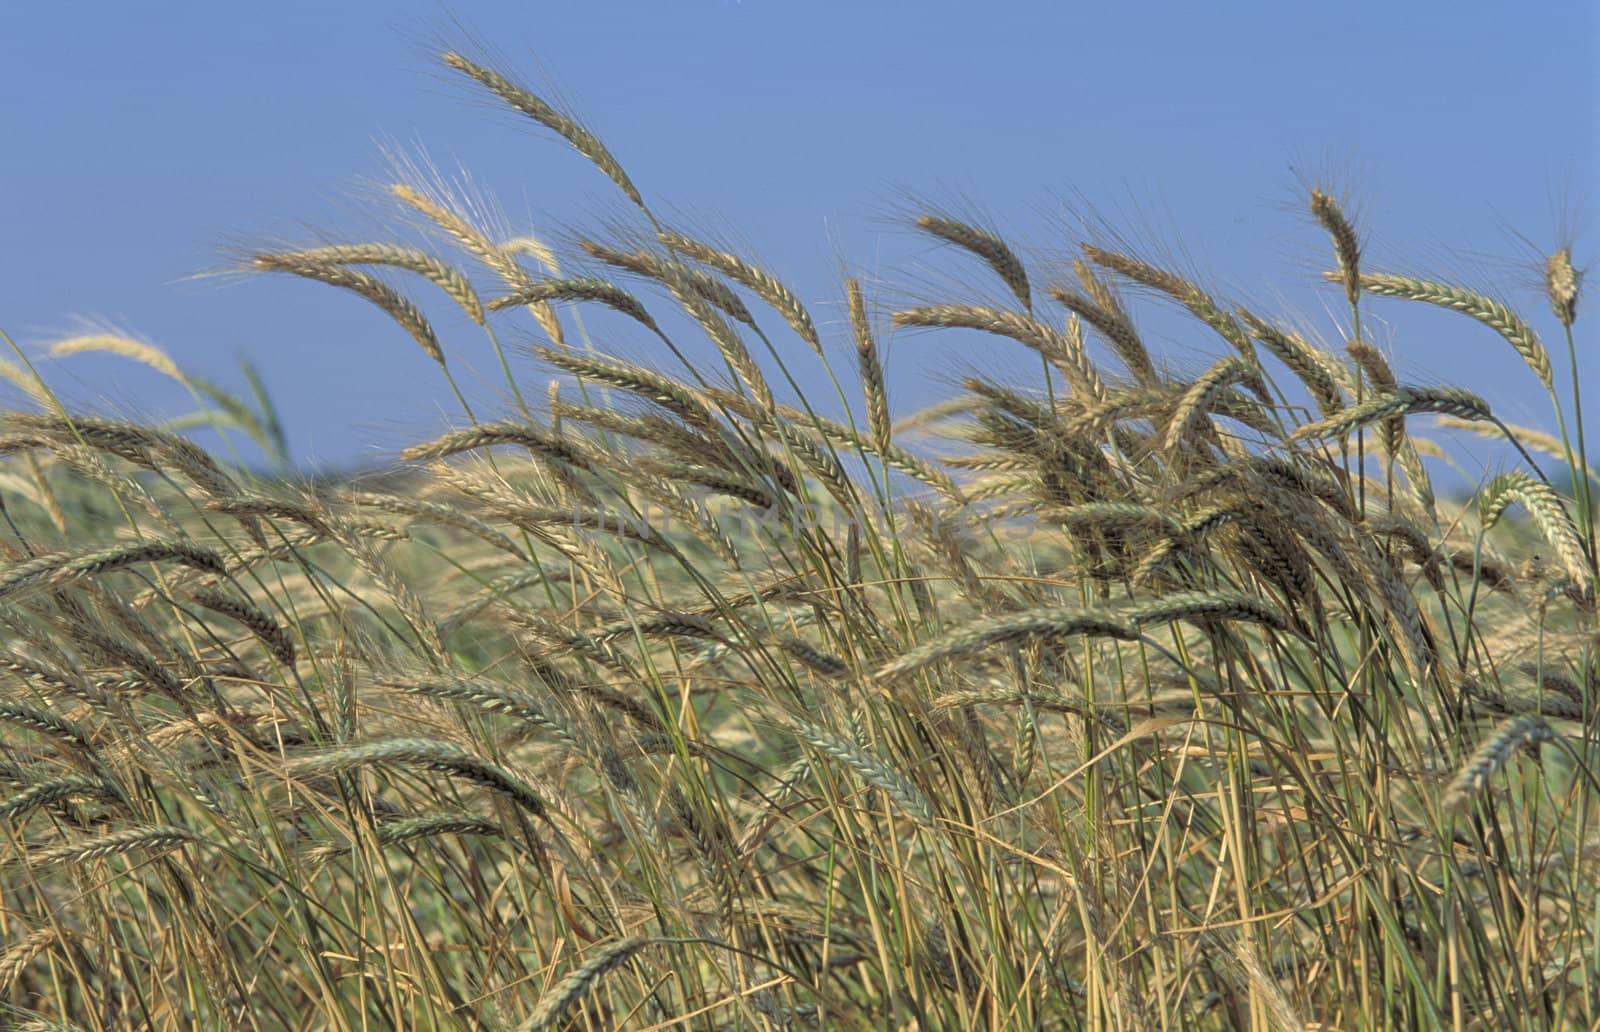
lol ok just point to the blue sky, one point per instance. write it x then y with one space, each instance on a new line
142 142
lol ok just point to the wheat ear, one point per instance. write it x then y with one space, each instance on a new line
872 378
16 959
1346 246
498 258
655 267
1055 622
577 289
995 252
1197 401
155 838
877 773
425 753
1066 354
1310 365
1548 512
1404 401
379 293
1486 310
55 571
762 283
1185 293
547 116
576 985
1528 730
445 277
1561 286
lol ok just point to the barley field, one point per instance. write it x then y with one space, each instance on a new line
667 696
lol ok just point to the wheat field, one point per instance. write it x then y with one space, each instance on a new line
1120 698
